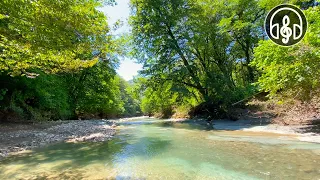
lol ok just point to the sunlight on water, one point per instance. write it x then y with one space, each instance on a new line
171 151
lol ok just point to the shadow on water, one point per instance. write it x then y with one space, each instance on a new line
77 155
201 124
180 125
204 125
148 148
313 127
64 156
187 124
145 147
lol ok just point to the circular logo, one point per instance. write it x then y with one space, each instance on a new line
286 25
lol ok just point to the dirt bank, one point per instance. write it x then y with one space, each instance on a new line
302 132
21 137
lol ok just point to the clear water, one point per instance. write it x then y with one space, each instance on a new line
152 149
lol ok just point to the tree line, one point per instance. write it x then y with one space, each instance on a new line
58 60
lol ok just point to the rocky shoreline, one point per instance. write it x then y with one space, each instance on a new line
15 138
20 137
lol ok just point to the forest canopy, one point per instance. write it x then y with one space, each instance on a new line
58 60
217 53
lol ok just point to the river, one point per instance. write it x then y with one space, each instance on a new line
154 149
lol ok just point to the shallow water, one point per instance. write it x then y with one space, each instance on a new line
153 149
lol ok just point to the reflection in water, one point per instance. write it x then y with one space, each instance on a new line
164 150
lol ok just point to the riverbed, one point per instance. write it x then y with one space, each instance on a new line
156 149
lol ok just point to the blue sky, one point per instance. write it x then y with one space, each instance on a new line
128 68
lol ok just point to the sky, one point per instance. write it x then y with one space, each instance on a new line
128 68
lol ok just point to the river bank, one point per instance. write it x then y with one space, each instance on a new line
149 148
16 138
21 137
303 132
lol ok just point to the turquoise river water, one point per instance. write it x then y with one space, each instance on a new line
153 149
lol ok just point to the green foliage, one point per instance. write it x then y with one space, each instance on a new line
57 61
3 93
128 97
51 35
163 100
292 71
200 48
44 97
96 91
58 58
158 100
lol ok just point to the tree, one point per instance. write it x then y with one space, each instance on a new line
43 98
243 20
58 60
95 91
197 45
53 36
